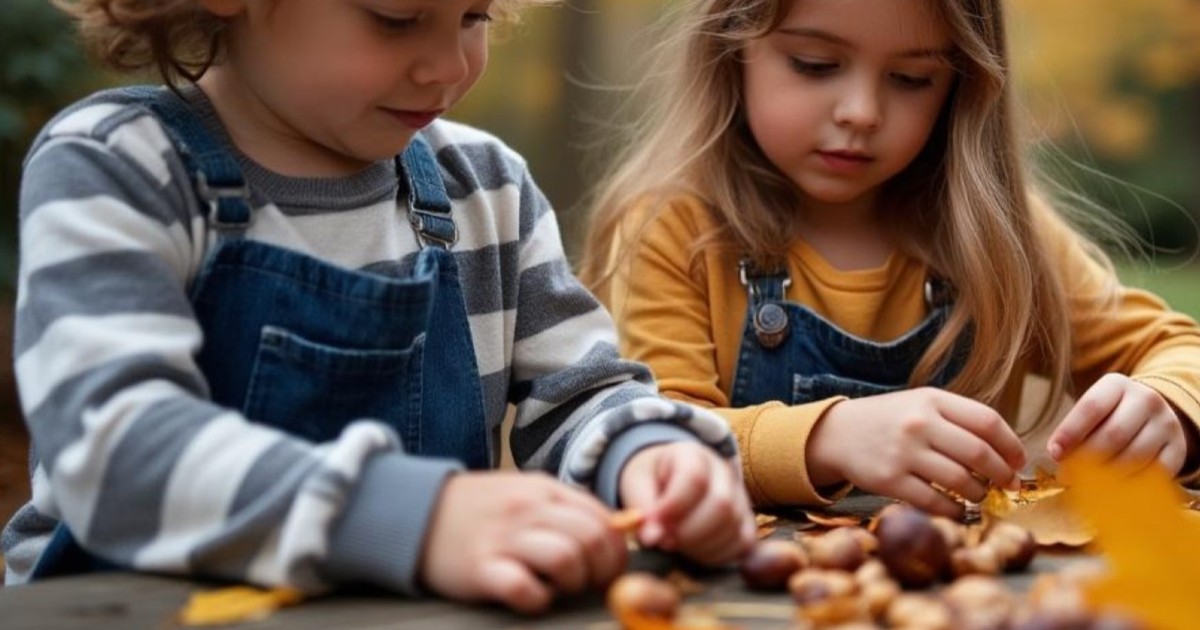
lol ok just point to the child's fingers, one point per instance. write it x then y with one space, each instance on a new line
969 450
685 480
1089 411
985 423
949 474
602 547
920 494
579 499
507 581
554 556
1118 432
1142 449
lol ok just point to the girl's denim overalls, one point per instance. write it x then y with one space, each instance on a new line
308 347
793 355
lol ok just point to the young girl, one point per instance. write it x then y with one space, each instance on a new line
822 227
267 320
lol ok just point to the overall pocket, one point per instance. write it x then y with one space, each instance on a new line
314 390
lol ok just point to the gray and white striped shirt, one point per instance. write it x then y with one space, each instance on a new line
149 473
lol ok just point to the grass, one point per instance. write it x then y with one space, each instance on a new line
1178 285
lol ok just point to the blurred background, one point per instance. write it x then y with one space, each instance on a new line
1112 89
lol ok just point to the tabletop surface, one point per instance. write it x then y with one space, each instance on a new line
129 600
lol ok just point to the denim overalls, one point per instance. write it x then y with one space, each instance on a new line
793 355
307 347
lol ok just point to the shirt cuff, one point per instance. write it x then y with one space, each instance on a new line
624 447
380 535
775 456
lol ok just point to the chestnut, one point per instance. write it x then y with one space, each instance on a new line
918 611
980 603
878 595
1014 543
770 563
642 595
979 560
826 597
950 530
911 547
839 549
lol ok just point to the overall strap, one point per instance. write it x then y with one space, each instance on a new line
766 293
428 203
218 178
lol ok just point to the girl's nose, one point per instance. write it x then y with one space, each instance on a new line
860 107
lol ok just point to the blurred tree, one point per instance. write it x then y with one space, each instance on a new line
41 70
1115 86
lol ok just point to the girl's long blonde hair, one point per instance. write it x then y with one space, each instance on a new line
177 38
963 206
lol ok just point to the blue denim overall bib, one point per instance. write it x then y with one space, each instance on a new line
307 347
791 354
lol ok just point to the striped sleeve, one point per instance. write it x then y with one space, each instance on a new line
144 470
575 394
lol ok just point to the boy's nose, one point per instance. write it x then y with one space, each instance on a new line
446 64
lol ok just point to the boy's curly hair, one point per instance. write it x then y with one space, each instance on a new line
178 38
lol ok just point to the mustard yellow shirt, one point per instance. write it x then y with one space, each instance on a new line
684 318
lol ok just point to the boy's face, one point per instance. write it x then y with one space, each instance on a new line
843 95
352 80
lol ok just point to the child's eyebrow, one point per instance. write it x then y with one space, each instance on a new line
813 33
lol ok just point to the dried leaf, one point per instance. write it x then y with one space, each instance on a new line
764 519
626 520
1052 522
833 520
235 604
764 531
1153 549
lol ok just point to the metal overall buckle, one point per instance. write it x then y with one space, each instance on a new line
770 319
214 194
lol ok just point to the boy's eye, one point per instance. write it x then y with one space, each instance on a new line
911 82
391 23
812 68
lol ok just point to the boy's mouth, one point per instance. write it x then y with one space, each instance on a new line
415 119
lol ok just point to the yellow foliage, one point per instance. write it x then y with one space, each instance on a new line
1070 56
1153 548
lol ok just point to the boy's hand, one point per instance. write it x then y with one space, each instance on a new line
693 502
903 443
518 538
1120 418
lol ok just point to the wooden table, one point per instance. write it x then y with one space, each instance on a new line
126 600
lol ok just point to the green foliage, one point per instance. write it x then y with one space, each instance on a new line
41 70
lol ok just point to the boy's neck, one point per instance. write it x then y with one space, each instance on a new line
265 138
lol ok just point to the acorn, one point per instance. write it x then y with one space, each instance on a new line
770 563
911 547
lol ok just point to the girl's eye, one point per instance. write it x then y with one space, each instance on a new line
911 82
813 68
475 19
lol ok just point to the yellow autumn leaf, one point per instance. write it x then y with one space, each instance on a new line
1152 547
235 605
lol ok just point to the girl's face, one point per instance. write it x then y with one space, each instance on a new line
843 95
351 79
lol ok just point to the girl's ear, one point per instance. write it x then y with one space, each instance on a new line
224 8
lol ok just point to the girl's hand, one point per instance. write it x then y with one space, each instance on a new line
518 538
900 444
1124 420
692 500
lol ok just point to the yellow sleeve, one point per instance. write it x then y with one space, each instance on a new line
1126 330
667 318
